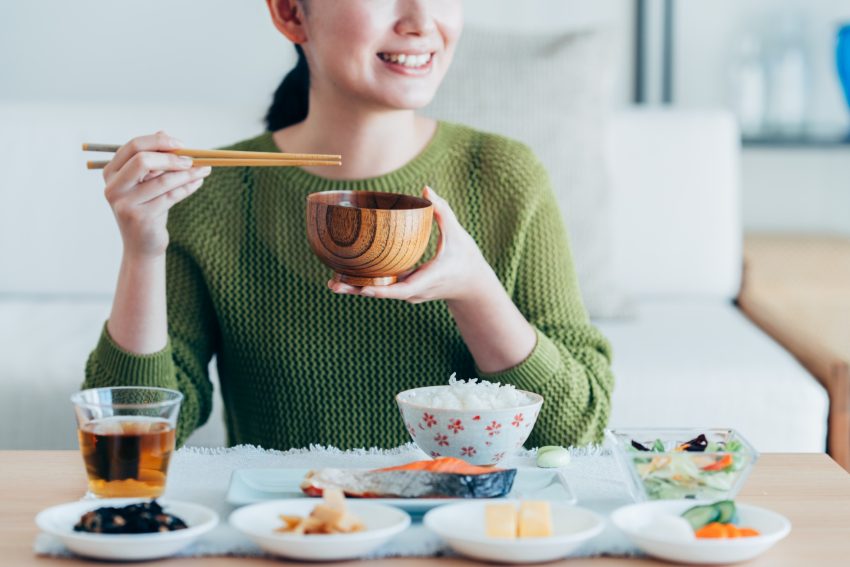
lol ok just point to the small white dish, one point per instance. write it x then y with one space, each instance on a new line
462 526
249 486
633 520
59 521
259 522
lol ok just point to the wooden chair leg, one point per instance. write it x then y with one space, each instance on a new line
838 440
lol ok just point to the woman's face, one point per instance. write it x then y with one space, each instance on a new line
387 53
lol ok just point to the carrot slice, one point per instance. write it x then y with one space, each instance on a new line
723 463
716 530
713 530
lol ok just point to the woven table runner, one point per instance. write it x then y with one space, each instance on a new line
202 475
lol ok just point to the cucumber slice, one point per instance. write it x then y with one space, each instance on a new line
700 516
725 511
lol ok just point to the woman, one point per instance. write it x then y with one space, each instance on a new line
299 363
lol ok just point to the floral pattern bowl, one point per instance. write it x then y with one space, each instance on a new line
478 436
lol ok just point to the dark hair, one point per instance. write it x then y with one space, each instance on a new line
292 98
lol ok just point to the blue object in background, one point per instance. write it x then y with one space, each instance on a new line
842 58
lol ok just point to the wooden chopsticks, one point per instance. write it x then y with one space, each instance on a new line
230 158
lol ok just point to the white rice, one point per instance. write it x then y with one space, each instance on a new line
470 395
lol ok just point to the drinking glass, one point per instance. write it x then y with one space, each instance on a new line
127 436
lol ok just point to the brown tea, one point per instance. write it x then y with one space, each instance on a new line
127 455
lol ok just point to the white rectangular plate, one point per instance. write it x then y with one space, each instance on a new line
248 486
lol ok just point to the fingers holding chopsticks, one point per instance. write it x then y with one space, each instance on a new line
170 197
141 167
143 181
166 182
159 142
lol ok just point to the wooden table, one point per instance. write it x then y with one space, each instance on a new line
810 489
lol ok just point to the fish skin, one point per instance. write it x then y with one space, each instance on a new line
409 483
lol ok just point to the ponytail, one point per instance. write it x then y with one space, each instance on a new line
292 98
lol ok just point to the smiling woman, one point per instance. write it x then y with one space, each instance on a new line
229 272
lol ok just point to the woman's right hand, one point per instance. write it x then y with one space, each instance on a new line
143 182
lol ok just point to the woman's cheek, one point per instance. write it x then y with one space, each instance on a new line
449 17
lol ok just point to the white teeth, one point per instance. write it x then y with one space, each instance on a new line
406 60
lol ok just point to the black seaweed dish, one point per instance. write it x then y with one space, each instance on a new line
143 518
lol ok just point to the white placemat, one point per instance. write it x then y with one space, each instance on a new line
202 475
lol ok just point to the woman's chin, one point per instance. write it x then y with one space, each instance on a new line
407 100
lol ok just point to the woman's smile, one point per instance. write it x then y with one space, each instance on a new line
410 64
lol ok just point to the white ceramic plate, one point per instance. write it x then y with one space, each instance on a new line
259 521
633 519
59 521
248 486
462 527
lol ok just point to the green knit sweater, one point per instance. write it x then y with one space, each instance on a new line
299 364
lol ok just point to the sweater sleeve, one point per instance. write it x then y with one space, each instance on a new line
182 364
570 364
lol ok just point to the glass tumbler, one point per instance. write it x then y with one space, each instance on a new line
127 436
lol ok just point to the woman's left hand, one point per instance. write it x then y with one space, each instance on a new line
457 271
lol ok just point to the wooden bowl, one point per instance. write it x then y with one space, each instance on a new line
368 238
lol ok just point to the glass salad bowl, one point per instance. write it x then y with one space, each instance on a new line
668 464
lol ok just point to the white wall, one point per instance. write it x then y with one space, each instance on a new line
783 189
796 190
156 50
708 34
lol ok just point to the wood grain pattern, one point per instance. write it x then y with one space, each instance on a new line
810 489
368 238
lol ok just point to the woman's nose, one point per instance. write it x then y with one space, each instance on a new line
414 18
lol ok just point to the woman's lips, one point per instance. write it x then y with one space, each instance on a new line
411 64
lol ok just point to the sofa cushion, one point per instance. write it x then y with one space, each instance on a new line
552 92
704 364
675 211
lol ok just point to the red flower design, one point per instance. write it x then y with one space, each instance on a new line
442 440
435 454
467 451
493 428
410 429
517 420
455 426
499 456
429 419
476 418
